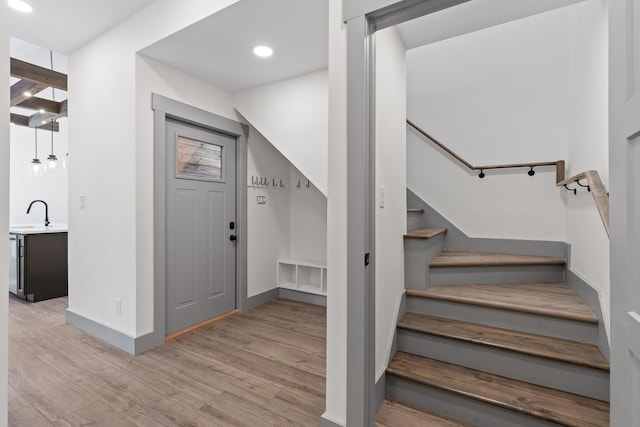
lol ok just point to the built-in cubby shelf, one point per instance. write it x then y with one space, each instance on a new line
302 275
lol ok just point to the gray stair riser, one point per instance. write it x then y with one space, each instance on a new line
417 254
458 407
498 274
414 220
524 322
571 378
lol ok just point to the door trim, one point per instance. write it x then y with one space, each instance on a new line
166 108
363 19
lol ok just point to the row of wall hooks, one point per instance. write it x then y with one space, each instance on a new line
278 183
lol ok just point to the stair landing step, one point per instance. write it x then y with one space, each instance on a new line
547 299
548 404
451 258
573 352
395 414
424 233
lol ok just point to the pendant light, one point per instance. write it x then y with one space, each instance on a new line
35 167
52 160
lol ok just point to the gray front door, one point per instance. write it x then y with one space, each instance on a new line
200 225
624 158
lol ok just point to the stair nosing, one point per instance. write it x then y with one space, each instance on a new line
556 357
509 405
431 232
504 306
529 260
394 402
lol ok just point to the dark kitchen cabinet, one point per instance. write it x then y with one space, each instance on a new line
41 266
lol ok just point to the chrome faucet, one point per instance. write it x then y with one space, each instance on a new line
46 211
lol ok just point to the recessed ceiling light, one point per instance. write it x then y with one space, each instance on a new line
42 111
20 6
263 51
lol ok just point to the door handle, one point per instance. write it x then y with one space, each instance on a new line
233 238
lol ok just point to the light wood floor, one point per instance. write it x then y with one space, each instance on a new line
261 368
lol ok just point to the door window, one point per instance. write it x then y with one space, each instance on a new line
198 160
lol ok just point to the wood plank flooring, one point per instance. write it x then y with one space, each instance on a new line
548 404
265 367
451 258
577 353
549 299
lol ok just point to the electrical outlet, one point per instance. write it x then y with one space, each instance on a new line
381 197
83 201
118 306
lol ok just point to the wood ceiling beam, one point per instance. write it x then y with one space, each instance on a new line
38 104
20 120
40 119
19 89
49 78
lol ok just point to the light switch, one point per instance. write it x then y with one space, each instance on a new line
381 197
83 201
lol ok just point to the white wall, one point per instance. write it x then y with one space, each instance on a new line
51 187
4 211
291 224
336 374
391 220
588 147
292 114
499 95
111 241
269 225
308 226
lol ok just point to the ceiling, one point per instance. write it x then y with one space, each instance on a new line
218 49
65 25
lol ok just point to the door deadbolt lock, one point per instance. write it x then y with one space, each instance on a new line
233 238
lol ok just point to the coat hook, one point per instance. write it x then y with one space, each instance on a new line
298 185
308 183
281 184
481 174
585 186
274 182
531 171
575 191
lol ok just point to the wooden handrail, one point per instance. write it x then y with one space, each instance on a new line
559 164
594 183
599 193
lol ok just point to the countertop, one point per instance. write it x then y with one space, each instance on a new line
37 228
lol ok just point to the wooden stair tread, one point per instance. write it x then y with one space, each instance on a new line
395 414
548 404
562 350
415 210
424 233
451 258
547 299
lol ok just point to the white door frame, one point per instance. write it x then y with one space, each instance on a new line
164 108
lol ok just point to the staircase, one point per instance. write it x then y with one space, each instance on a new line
492 339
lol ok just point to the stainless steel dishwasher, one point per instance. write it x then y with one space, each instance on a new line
13 264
